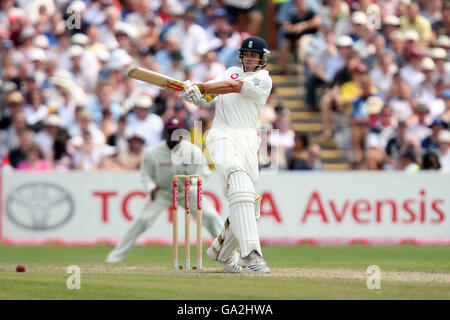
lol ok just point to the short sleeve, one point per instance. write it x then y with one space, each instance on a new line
257 87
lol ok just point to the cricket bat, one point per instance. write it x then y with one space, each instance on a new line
159 80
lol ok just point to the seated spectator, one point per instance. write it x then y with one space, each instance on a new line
285 136
401 101
412 72
131 156
175 69
390 24
431 142
297 157
442 70
301 22
442 25
52 140
34 160
84 124
14 103
88 157
430 161
378 138
396 145
103 100
397 40
418 126
444 150
119 138
19 154
36 111
383 74
244 16
408 162
142 119
414 21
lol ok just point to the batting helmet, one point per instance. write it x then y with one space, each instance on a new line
256 44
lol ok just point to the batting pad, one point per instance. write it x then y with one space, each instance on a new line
241 194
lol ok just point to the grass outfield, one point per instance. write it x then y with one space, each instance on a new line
305 272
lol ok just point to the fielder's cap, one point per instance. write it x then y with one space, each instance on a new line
41 41
173 123
444 136
446 94
438 53
80 39
422 108
443 41
143 101
438 122
38 55
359 17
344 41
76 51
14 97
411 35
52 121
428 64
391 20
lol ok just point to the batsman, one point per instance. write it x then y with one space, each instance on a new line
161 163
233 144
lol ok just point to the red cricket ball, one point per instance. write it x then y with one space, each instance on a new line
20 268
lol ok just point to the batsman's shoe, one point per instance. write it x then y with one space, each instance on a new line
113 258
230 265
254 263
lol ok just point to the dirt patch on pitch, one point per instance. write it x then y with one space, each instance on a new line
306 273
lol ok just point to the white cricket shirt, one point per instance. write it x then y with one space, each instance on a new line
242 110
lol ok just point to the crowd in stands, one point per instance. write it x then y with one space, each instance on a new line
379 74
66 103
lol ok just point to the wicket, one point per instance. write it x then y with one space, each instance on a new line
187 223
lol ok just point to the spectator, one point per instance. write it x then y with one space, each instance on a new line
444 150
9 137
119 138
36 111
148 123
19 154
383 74
14 103
297 157
446 98
102 101
34 160
401 100
419 123
408 162
442 70
244 16
431 142
108 160
85 124
396 145
430 161
314 161
414 21
132 155
442 26
412 72
88 157
301 22
194 37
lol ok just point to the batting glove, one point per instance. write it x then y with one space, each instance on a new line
192 94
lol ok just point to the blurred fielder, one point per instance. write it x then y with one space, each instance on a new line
233 144
161 163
